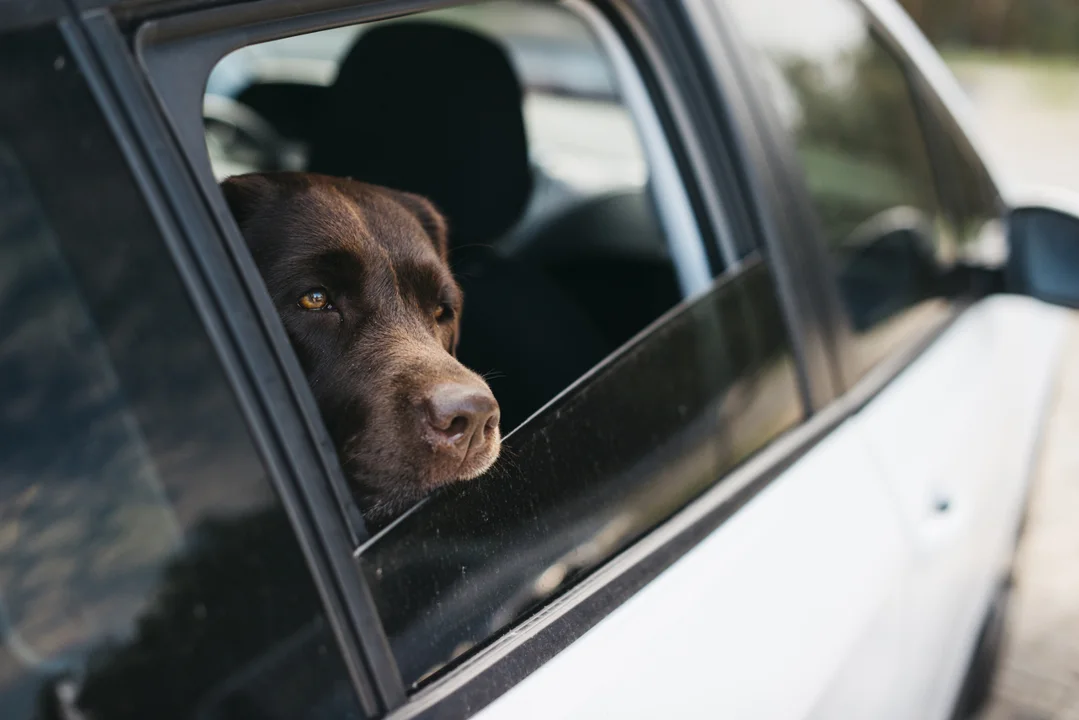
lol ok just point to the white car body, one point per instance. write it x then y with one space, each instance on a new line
845 589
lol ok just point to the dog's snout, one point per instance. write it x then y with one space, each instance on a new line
461 414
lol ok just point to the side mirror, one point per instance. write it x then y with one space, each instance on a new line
1044 240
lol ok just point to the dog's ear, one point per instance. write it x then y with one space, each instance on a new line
245 194
430 218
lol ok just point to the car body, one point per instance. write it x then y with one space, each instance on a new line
792 487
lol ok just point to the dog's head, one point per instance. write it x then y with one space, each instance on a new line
359 276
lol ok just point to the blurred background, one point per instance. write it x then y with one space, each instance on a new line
1018 61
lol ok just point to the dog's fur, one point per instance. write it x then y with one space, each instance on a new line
375 360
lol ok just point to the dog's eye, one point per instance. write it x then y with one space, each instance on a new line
315 299
444 312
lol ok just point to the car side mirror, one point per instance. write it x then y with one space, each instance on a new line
1043 236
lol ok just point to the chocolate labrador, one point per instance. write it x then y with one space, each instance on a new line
359 275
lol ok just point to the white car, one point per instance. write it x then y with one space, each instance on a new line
773 346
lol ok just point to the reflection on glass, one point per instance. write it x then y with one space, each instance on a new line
849 108
146 570
663 421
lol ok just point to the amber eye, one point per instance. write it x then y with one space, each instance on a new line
315 299
444 312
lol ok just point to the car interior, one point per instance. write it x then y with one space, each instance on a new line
559 252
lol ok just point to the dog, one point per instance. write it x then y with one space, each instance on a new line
360 278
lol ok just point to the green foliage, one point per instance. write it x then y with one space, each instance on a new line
857 135
1044 27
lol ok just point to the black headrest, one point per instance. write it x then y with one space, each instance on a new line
432 110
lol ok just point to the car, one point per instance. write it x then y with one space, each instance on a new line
773 340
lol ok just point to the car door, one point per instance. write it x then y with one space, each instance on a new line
1013 346
910 227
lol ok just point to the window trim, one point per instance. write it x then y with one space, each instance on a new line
659 60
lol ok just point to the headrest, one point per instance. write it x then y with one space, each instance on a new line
436 111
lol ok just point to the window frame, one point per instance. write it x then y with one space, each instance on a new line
650 33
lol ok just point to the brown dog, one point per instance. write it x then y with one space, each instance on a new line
359 276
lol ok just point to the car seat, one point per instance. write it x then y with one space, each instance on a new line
436 110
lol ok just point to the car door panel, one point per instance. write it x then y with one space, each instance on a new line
1025 341
757 620
954 434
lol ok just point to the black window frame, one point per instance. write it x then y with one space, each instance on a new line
207 237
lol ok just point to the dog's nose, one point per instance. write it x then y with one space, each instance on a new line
462 415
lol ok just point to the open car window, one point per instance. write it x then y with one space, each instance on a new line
578 232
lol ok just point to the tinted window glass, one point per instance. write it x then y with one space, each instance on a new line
665 420
847 103
146 568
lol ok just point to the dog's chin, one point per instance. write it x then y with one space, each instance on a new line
380 508
394 498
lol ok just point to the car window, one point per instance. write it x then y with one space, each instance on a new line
628 385
847 103
572 221
566 78
147 568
